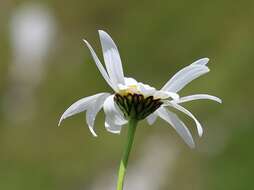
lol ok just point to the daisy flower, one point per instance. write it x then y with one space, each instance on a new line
132 101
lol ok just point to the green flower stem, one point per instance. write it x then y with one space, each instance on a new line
132 124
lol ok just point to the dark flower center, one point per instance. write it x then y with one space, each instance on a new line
136 105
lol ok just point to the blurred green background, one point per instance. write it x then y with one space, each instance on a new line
44 67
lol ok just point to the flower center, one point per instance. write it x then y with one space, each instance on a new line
136 105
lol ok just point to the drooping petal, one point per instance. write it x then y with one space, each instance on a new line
112 127
182 109
185 76
100 66
202 61
93 110
199 97
81 105
177 124
114 117
112 58
151 118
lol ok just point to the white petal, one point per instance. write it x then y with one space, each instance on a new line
112 58
113 128
177 124
184 76
199 97
93 110
182 109
202 61
151 118
100 66
112 112
164 95
146 90
130 81
114 117
80 106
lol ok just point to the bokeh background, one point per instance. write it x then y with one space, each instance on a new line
44 67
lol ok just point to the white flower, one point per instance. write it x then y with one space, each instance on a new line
135 99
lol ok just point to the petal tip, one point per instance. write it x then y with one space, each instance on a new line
200 133
92 131
199 127
192 146
95 135
63 117
206 58
60 121
84 40
102 33
201 62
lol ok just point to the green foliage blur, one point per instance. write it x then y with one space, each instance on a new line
155 40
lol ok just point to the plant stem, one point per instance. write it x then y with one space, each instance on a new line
132 124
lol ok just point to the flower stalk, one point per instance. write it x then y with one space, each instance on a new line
132 125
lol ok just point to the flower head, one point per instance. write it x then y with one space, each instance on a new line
132 99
